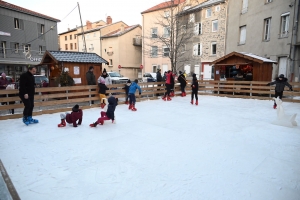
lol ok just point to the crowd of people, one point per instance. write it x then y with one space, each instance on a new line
109 102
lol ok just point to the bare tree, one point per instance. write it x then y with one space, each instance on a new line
178 30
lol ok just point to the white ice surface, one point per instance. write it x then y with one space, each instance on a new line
224 149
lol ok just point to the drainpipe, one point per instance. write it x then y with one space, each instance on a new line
294 40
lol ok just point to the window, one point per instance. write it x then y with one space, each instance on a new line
198 29
166 51
218 8
42 29
154 51
18 23
192 18
3 47
166 14
242 35
215 26
208 12
26 48
74 36
75 46
16 46
70 37
154 33
71 46
66 46
111 62
40 50
284 24
66 38
197 50
167 31
267 25
213 48
245 6
91 47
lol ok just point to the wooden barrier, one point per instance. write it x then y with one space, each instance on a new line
69 96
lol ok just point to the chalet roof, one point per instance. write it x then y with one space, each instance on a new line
118 32
13 7
76 57
163 5
245 55
203 5
98 28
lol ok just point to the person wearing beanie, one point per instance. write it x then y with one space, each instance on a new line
159 78
280 82
106 77
132 99
71 118
109 114
102 91
182 81
195 87
127 86
91 80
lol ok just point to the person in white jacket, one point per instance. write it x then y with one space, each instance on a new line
106 77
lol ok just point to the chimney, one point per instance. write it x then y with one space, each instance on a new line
108 20
122 28
88 25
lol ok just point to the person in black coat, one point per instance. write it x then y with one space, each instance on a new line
280 82
182 81
26 94
159 78
109 114
195 87
126 88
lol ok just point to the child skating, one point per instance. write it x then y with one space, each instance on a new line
280 82
134 86
194 86
71 118
109 114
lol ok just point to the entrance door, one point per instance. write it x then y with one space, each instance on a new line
207 74
187 69
282 66
197 70
164 68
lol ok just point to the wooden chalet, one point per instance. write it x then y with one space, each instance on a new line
243 66
76 63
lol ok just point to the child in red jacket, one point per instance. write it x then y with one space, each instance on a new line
76 115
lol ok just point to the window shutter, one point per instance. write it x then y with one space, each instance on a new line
21 24
196 29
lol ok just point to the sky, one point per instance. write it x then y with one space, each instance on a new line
92 10
224 148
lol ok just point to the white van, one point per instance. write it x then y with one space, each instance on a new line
117 78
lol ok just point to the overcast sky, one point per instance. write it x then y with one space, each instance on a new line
92 10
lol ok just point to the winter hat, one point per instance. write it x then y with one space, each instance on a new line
3 74
91 67
281 76
104 70
75 108
180 72
128 81
136 81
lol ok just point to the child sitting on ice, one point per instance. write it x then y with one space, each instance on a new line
109 114
75 115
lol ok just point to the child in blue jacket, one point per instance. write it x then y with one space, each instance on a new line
133 87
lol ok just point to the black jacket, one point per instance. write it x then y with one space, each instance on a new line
112 103
182 79
280 84
90 78
159 78
102 88
195 85
27 84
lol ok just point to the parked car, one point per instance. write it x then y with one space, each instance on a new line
38 79
149 77
117 78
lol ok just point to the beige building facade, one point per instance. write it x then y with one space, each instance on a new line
123 50
268 28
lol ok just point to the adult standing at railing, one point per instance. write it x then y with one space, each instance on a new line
90 78
182 82
159 78
26 94
3 85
